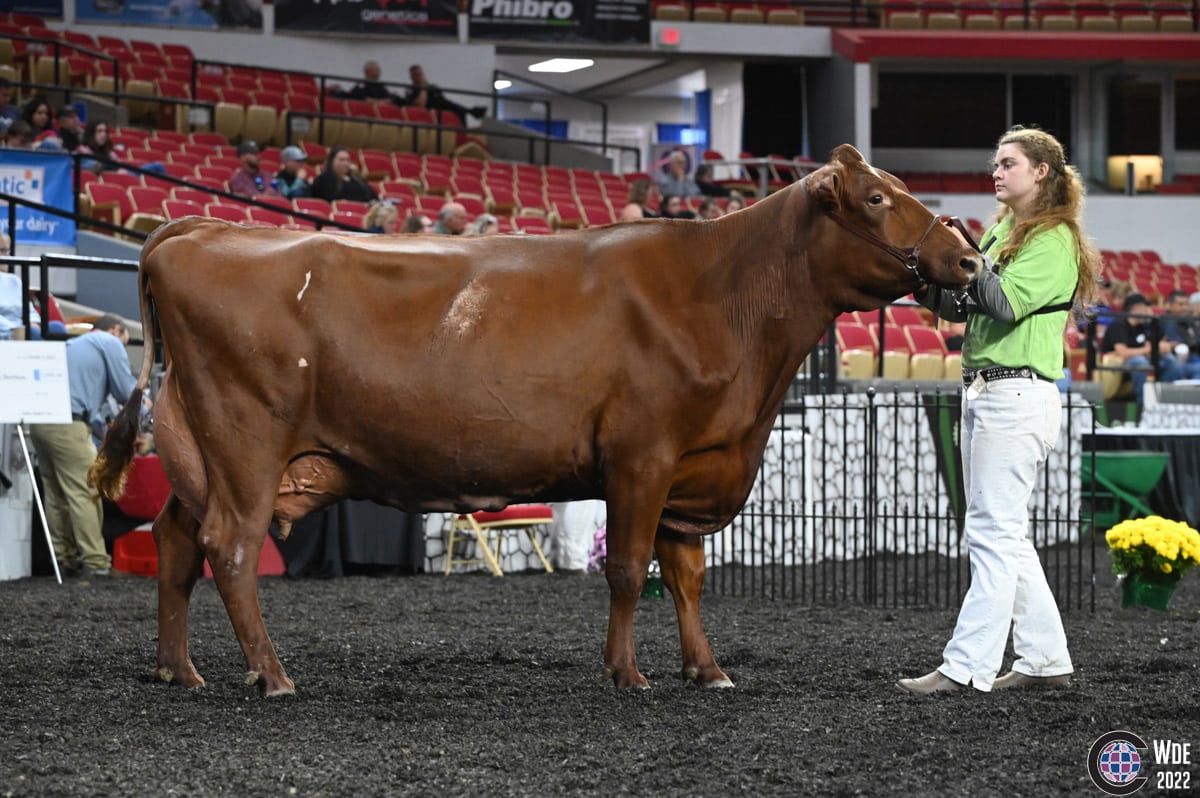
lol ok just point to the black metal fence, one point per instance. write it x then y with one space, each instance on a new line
859 499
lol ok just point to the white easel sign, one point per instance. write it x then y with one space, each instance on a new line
33 383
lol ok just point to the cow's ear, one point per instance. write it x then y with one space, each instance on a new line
829 189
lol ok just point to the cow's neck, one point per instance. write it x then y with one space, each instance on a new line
778 299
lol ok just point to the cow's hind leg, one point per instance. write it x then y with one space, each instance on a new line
232 542
180 563
682 562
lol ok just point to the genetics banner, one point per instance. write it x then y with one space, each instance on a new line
603 21
43 178
437 18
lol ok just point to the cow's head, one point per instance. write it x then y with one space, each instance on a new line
895 242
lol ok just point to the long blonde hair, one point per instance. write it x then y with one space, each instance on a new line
1059 201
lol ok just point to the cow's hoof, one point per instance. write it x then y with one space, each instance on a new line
271 687
712 677
626 680
186 677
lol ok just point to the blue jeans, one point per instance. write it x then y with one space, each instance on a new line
1139 366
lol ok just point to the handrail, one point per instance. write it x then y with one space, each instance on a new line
498 73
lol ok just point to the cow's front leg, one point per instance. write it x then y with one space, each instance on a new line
682 561
626 574
180 563
233 552
634 505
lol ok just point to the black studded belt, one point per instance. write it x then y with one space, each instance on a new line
1002 373
79 417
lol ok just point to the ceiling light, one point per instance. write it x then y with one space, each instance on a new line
501 84
562 65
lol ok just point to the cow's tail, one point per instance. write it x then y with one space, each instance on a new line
109 471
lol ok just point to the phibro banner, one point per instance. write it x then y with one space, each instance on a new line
399 17
43 178
176 13
607 21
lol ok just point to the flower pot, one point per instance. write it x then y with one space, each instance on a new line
1139 592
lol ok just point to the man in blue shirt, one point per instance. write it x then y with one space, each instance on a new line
97 367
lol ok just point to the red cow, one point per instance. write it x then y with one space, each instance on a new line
640 363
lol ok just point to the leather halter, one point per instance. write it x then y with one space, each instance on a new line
910 257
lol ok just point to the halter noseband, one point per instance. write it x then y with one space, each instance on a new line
910 257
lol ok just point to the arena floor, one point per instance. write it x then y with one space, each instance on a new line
475 686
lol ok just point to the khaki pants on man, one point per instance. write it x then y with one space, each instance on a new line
65 453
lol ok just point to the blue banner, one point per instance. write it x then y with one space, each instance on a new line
173 13
38 177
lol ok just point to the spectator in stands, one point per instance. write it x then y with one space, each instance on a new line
426 95
1178 332
484 225
704 181
953 332
20 136
418 223
676 181
96 142
1110 302
38 116
248 180
1189 335
452 220
673 207
339 182
9 113
292 176
370 88
709 209
1016 314
70 131
97 367
637 200
382 217
1129 341
736 201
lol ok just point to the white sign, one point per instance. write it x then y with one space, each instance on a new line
33 383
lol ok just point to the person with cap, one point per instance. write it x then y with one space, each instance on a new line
97 367
1129 341
70 130
248 180
292 177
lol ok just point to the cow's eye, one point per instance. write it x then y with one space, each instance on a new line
876 199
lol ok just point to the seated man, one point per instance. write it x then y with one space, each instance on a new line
1128 343
1181 329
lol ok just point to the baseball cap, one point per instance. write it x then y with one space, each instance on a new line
247 148
1134 299
292 153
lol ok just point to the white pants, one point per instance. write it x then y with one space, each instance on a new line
1007 432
